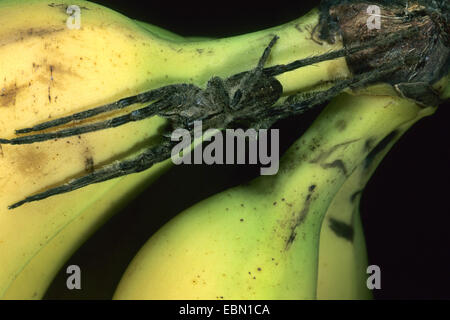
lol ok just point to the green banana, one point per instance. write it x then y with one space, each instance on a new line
261 240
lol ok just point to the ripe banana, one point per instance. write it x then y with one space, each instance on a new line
62 70
261 240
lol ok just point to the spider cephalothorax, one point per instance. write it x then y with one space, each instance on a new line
232 102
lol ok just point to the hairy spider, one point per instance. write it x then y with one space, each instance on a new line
249 99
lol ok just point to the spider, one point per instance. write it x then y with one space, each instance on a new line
247 99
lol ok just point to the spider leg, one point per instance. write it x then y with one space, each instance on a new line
135 115
120 104
380 43
262 61
297 104
141 162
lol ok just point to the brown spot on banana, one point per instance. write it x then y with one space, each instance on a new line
335 164
8 94
50 85
378 149
300 217
341 124
88 160
370 143
29 160
355 195
57 72
89 164
324 155
341 229
322 158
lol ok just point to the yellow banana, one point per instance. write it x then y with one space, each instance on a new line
63 70
342 260
261 240
54 230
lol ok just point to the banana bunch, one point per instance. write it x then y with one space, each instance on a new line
255 241
64 69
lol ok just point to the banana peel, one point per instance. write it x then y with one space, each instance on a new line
343 257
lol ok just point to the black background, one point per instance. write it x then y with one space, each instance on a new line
405 207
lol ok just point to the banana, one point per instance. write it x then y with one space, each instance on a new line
54 230
261 240
63 70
